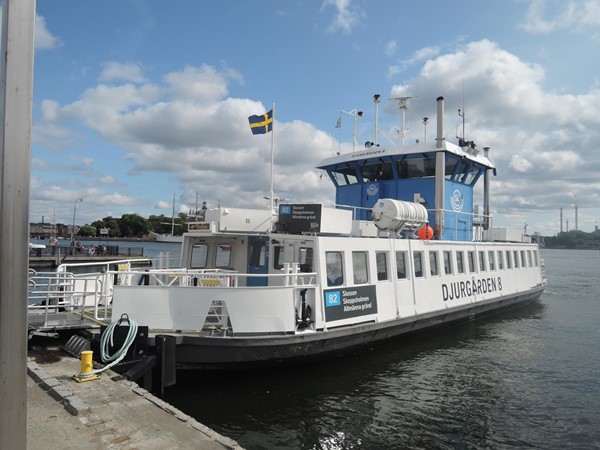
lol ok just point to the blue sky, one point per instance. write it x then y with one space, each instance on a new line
137 100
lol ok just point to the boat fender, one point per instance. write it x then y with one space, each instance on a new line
425 233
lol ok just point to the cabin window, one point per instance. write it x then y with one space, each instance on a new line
529 258
345 175
482 261
278 257
401 265
500 260
471 258
508 260
305 258
447 263
335 268
258 251
516 253
224 255
451 165
377 171
523 262
360 268
472 175
199 256
433 264
416 167
491 260
535 258
460 266
381 258
418 264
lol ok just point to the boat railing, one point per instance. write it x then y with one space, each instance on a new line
52 296
102 266
461 219
352 208
224 278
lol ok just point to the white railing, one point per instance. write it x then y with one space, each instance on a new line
70 294
290 276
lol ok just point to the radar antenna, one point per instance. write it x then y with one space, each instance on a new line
403 106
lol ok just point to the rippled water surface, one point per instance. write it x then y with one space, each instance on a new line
522 379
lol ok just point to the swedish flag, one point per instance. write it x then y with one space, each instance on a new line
261 124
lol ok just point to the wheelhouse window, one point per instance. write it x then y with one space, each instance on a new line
199 256
416 167
516 254
523 261
381 258
418 264
460 264
335 268
344 175
529 258
360 268
447 263
452 166
401 265
508 260
377 170
500 260
472 175
471 258
224 255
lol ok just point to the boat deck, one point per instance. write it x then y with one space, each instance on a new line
62 320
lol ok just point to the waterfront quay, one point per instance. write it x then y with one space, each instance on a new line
54 255
109 412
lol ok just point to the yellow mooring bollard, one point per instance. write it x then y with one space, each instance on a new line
86 367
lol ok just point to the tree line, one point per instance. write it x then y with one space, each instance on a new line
135 226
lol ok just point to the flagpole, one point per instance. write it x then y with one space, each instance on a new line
272 162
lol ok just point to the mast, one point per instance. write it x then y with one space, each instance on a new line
376 100
173 217
403 105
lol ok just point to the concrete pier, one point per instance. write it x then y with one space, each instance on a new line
110 412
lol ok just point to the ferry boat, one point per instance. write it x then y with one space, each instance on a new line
402 249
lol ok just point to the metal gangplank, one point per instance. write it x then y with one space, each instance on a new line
62 300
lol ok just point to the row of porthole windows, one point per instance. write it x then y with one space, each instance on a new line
453 262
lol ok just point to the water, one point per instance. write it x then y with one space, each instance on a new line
523 379
151 249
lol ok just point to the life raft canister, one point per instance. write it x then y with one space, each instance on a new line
425 233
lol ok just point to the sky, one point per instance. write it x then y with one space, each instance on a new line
136 101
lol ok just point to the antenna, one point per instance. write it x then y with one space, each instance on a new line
461 113
403 105
376 100
355 113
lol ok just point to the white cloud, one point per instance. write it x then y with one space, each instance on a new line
115 71
107 179
418 56
44 40
543 140
347 15
564 15
191 130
